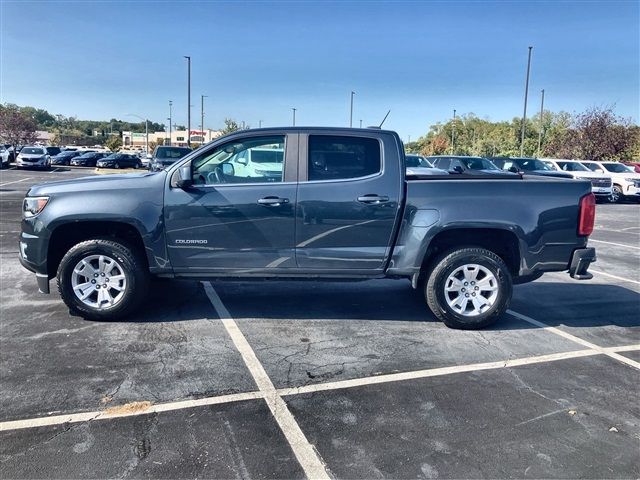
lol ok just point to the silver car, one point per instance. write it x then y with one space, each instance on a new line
33 157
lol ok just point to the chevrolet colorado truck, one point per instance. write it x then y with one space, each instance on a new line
334 203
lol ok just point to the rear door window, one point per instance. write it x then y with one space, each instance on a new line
336 157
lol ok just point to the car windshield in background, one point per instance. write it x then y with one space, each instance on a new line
33 151
417 161
592 166
616 168
532 165
573 167
267 156
172 153
478 164
87 155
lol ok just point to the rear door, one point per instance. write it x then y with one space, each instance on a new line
232 220
348 201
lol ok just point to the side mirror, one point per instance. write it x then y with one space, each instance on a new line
242 161
458 169
599 170
514 169
185 179
227 169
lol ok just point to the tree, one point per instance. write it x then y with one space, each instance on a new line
16 128
230 125
113 143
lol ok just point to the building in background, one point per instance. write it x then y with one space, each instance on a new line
135 140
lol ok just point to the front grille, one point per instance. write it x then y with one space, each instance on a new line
30 159
600 182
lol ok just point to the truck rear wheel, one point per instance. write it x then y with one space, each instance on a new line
469 288
102 279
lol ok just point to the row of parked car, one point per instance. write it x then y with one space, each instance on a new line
610 181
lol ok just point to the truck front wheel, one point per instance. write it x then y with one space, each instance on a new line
469 288
102 279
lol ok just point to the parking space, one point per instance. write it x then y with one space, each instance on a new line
280 379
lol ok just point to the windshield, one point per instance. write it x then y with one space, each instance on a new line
113 156
616 168
417 161
87 155
592 166
32 151
573 167
267 156
171 153
531 164
478 164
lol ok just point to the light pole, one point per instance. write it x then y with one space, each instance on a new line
294 116
188 100
351 112
202 97
526 93
170 118
259 123
360 123
453 132
146 131
541 124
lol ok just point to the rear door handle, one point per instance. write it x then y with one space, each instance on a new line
372 198
273 201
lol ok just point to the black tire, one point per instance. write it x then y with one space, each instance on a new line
616 194
448 263
134 268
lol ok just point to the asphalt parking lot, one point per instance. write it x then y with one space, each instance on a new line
340 380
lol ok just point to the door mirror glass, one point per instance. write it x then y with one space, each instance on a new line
227 169
184 180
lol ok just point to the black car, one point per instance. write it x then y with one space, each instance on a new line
53 151
64 158
89 159
165 156
530 166
460 164
119 160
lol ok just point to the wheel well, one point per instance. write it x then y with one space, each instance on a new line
66 236
501 242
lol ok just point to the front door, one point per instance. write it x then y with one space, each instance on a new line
238 217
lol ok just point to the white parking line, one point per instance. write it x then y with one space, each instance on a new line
15 181
302 449
575 339
121 411
622 279
613 243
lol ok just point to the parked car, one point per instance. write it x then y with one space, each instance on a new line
53 151
64 157
4 157
88 159
33 157
601 184
462 242
413 161
634 166
164 156
417 165
119 160
626 184
530 166
460 164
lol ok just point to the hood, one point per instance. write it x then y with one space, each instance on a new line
425 171
548 173
98 182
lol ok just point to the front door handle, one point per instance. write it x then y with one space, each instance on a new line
373 199
273 201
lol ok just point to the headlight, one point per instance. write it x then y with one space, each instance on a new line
32 206
631 180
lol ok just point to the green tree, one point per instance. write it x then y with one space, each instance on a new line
230 126
113 143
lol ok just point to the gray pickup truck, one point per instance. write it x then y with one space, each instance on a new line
312 203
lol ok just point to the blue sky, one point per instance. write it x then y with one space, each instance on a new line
256 60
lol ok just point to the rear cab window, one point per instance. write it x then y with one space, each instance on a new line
342 157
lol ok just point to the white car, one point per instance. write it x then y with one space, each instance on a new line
4 157
626 182
33 157
601 183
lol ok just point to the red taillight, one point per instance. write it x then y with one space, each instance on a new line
587 214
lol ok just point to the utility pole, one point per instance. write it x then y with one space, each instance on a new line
541 124
170 118
526 94
453 133
202 97
188 101
360 123
409 139
259 123
294 116
351 114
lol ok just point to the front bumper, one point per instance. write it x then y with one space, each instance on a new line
33 257
580 261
